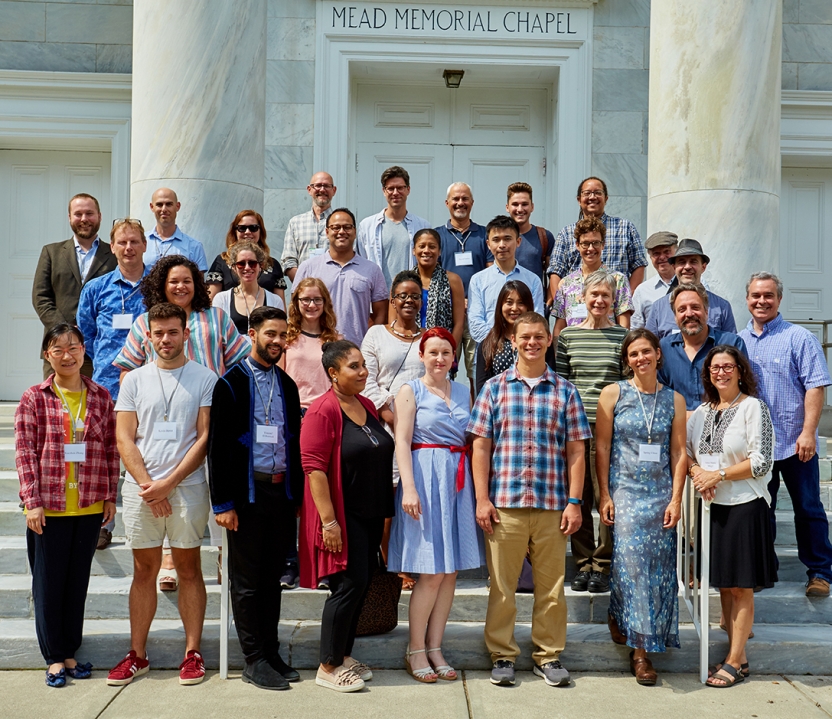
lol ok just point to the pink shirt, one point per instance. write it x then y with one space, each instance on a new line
303 364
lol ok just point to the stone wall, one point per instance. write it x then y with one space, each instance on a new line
807 45
66 36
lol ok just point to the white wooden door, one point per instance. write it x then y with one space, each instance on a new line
806 247
35 187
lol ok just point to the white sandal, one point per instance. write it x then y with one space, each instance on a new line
420 675
443 671
343 680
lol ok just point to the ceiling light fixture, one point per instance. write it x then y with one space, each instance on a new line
453 78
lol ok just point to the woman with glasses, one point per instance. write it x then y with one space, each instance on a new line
247 226
311 324
67 464
247 262
640 462
495 353
568 306
730 453
348 459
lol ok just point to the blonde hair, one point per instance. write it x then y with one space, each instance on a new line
328 320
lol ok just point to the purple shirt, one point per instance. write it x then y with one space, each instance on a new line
353 288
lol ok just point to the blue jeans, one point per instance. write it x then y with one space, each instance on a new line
802 481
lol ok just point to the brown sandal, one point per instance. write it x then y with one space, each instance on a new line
615 632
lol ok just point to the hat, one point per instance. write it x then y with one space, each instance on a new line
661 239
689 247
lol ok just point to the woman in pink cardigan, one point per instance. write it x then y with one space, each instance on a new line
348 459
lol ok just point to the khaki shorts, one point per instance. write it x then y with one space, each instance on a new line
185 528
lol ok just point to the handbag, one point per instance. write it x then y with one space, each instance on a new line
380 611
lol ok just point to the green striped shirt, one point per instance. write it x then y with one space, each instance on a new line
590 359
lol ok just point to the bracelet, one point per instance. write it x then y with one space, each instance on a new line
329 525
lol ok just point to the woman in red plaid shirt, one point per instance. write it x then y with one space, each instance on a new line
67 462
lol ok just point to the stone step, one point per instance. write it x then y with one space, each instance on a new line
13 521
7 453
9 486
7 409
784 500
776 649
107 598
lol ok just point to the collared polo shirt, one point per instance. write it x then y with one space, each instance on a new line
529 426
684 376
485 289
178 244
353 288
788 360
473 241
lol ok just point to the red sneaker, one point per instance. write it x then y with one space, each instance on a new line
192 670
128 669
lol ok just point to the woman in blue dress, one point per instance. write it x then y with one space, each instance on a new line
641 466
434 532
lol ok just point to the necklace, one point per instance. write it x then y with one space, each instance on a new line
241 293
410 337
433 390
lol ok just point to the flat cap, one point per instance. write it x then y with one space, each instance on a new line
661 239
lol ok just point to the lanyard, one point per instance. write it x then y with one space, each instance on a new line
649 424
266 407
463 234
719 415
169 402
123 298
76 423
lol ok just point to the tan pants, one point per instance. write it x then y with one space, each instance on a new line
538 531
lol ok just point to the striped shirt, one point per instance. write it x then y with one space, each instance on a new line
569 297
529 427
305 236
787 360
590 359
623 250
214 342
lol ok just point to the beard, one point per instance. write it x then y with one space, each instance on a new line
263 353
688 330
85 230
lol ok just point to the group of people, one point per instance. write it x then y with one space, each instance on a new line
238 406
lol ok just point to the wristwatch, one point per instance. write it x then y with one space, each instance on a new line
575 500
721 475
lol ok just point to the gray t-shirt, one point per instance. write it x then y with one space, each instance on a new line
396 251
186 389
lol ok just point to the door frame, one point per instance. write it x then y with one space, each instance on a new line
71 111
570 131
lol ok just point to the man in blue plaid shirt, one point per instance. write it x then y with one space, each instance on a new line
529 428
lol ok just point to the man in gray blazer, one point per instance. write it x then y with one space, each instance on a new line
64 268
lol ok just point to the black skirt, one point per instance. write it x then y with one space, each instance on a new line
742 548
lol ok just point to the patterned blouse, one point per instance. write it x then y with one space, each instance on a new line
569 304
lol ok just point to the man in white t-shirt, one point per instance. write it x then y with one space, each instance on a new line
162 419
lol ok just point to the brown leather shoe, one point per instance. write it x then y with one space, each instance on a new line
105 537
642 670
615 632
817 587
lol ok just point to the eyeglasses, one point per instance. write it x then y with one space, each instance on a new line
309 301
726 368
594 244
247 228
395 188
58 352
592 193
321 186
242 264
338 228
404 297
131 220
367 431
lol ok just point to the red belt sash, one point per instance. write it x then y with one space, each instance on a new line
463 451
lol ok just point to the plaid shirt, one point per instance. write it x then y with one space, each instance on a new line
304 234
39 448
529 429
623 250
787 360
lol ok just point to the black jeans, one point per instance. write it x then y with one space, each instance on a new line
60 559
349 588
256 556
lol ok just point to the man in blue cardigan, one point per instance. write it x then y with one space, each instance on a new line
256 482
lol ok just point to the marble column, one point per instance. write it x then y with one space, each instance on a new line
714 138
199 110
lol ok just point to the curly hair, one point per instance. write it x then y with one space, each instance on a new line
327 318
231 237
153 285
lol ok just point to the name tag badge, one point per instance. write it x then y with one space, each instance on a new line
709 462
649 453
578 312
164 430
122 322
464 259
76 452
266 434
317 251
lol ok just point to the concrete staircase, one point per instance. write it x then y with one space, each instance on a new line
793 633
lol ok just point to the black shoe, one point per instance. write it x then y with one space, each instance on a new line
598 583
580 582
289 579
282 668
262 675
